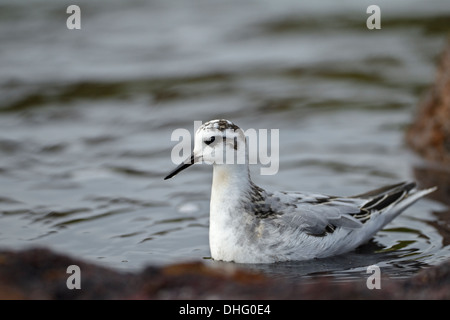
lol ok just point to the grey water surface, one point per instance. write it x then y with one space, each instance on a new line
86 118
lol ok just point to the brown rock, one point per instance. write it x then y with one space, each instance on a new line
429 135
41 274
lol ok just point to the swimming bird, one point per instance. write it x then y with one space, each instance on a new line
249 224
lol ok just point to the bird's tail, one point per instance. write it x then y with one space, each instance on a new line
395 197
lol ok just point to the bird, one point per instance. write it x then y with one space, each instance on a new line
249 224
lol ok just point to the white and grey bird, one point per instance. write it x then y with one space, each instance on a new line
249 224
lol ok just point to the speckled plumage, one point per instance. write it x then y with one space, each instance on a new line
251 225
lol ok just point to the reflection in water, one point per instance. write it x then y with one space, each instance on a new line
348 266
439 177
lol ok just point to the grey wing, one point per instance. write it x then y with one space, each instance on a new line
319 214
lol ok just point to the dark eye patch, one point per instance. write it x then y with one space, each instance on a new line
210 140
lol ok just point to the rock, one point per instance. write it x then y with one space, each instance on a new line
41 274
429 135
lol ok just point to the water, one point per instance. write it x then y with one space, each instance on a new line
86 118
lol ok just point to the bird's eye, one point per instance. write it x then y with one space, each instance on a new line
210 140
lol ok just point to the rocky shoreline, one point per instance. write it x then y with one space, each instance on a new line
42 274
429 134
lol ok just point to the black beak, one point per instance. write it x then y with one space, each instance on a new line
185 164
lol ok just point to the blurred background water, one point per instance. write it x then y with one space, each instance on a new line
86 118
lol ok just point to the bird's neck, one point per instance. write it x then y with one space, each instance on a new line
228 221
230 181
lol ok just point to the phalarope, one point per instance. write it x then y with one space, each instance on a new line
249 224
